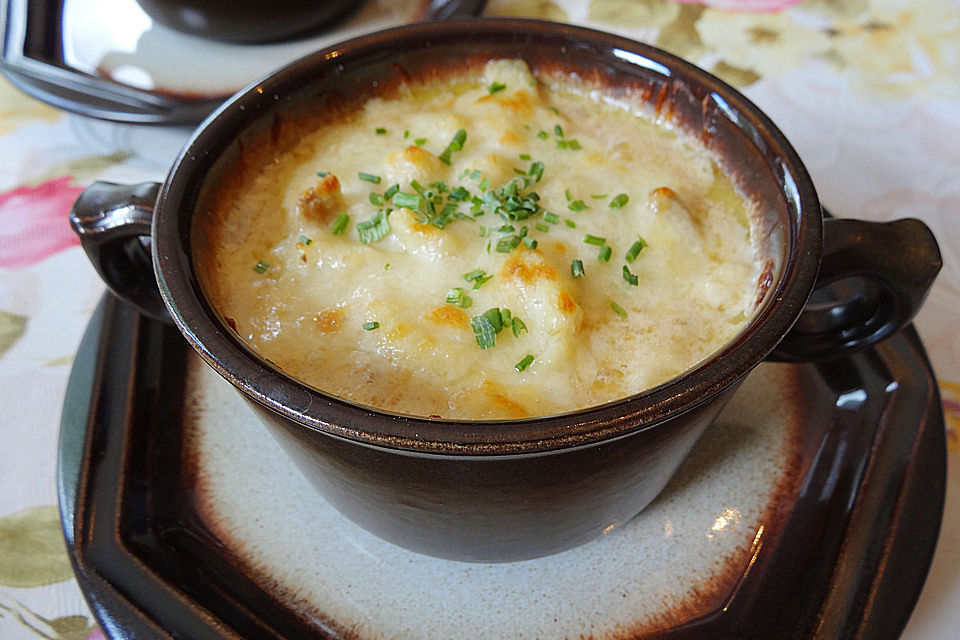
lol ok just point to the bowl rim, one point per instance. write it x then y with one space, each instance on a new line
316 411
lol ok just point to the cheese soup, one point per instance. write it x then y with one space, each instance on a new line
484 247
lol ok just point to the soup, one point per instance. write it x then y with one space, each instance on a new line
485 246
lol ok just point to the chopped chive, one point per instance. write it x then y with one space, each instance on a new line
381 131
552 218
536 170
570 223
630 277
619 201
375 228
519 172
483 331
456 144
420 142
530 243
261 267
465 302
517 326
508 244
376 198
496 87
567 195
454 295
386 267
506 317
596 241
605 253
417 186
370 326
543 135
554 110
340 224
305 240
484 184
635 249
523 364
576 268
369 177
477 277
392 191
541 227
496 320
459 194
323 174
620 311
557 131
577 205
524 156
408 200
600 196
406 133
569 144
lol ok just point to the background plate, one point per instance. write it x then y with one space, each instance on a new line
835 541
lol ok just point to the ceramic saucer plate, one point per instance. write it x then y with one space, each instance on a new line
108 59
810 510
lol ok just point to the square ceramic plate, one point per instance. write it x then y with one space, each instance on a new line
811 510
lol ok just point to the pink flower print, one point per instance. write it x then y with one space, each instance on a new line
97 635
33 221
745 6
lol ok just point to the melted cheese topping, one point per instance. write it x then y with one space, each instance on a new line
370 321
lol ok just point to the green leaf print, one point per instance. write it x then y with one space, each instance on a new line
32 551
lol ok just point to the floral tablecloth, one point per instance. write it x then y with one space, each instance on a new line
867 90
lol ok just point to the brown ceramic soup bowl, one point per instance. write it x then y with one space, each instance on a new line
512 489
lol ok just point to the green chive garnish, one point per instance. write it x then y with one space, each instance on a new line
506 317
605 253
477 277
524 156
483 331
536 170
375 228
619 201
408 200
552 218
596 241
523 364
530 243
496 87
577 205
454 295
599 196
340 224
557 131
554 110
370 326
567 195
517 326
629 277
620 311
323 174
543 135
420 142
569 144
635 249
261 267
305 240
381 131
455 145
376 198
392 191
541 227
406 134
493 316
570 223
576 268
369 177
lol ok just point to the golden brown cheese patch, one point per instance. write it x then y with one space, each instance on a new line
449 316
328 320
322 201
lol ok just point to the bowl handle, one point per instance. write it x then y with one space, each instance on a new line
874 276
113 222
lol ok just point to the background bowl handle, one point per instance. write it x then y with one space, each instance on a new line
874 276
114 222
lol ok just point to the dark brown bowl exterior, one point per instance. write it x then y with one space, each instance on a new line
496 490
